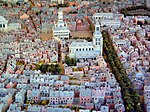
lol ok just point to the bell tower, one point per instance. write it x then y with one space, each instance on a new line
60 14
98 39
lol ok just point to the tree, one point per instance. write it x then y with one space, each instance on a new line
5 4
130 96
145 22
58 69
44 102
70 61
140 23
17 3
43 68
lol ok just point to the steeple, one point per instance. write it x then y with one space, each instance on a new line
60 14
97 38
97 26
97 29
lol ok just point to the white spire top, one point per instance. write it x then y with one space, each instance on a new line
60 14
97 23
97 26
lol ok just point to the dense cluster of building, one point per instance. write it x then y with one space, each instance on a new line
33 34
133 51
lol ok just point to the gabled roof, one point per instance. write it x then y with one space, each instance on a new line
3 20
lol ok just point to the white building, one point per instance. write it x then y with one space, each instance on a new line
108 19
81 49
61 30
110 23
57 1
3 24
102 16
14 26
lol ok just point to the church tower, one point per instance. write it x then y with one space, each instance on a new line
60 29
60 15
98 39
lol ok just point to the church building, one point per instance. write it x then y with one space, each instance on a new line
60 29
82 49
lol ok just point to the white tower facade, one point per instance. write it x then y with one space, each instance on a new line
60 15
98 39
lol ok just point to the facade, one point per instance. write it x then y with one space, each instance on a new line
3 24
110 23
108 19
60 29
57 1
82 49
14 26
102 16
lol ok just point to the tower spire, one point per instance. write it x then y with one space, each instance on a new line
97 38
60 14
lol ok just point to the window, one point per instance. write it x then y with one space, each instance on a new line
80 49
83 49
89 48
3 25
0 25
76 49
97 28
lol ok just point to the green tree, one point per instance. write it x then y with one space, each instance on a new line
140 23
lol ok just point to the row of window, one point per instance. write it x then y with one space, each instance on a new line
61 32
98 43
85 49
61 35
102 17
61 98
62 25
2 25
98 39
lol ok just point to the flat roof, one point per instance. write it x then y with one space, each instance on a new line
46 36
81 34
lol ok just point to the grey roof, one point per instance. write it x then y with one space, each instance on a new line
50 109
35 92
64 78
54 93
66 93
34 108
87 54
81 43
85 92
3 20
60 28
